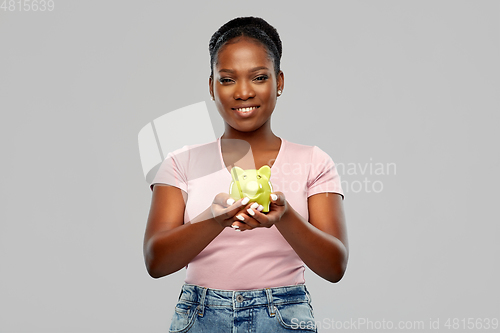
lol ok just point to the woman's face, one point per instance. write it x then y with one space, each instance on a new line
244 77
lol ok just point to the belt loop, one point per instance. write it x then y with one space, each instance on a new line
201 307
270 304
309 298
182 289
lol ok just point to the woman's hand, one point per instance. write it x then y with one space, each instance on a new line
252 217
224 208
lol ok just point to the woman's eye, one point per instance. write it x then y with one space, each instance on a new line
262 78
224 80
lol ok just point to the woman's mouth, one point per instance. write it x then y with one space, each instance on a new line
245 111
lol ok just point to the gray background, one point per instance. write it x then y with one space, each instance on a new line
413 83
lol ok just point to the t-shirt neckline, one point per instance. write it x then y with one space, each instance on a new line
280 152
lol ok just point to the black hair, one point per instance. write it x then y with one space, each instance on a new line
253 27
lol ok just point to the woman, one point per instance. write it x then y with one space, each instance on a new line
245 268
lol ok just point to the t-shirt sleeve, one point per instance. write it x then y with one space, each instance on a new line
171 172
323 175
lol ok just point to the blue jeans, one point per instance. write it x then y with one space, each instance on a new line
269 310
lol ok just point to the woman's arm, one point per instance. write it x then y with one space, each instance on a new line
320 242
170 244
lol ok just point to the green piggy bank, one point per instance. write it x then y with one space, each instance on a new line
253 184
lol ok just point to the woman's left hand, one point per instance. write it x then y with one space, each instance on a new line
250 218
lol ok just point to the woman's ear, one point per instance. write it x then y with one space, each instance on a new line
281 80
210 87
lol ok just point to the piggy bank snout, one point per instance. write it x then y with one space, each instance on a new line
252 187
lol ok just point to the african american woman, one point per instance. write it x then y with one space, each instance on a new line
245 260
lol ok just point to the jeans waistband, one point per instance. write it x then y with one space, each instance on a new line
204 296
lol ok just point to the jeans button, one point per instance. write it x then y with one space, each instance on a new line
239 298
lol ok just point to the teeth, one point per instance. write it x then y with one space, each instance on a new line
246 109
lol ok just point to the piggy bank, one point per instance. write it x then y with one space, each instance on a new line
253 184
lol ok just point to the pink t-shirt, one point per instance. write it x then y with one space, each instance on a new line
257 258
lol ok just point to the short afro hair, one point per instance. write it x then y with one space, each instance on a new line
253 27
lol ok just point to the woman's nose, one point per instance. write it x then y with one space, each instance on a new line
243 90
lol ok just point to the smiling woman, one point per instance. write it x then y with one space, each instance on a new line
245 266
245 86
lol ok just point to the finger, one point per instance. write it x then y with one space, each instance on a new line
248 221
241 202
278 198
225 211
221 199
240 222
256 218
240 226
237 226
225 200
237 206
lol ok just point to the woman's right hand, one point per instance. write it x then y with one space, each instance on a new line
224 208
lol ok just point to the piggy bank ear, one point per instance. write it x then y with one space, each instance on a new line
237 173
265 171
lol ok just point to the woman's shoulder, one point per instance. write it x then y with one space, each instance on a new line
298 148
309 154
290 145
194 148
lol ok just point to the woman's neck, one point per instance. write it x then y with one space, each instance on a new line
260 139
